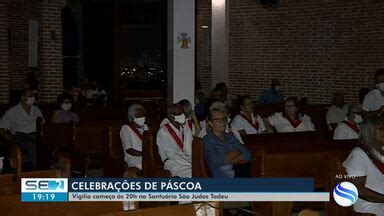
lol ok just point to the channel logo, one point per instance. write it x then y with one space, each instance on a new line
345 194
44 185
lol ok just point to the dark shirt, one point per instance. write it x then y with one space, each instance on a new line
271 96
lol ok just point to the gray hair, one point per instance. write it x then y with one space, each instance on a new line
133 109
219 106
368 132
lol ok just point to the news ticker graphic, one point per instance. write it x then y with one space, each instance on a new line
169 189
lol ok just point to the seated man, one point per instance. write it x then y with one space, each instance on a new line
337 112
21 120
349 128
225 155
174 142
191 120
131 136
272 95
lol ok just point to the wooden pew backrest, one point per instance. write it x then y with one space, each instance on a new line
199 165
16 158
152 164
10 183
114 164
197 209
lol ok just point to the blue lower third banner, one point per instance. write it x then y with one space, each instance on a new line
172 189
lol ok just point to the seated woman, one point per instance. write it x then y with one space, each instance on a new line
131 135
223 107
64 113
246 122
349 128
291 120
366 164
225 155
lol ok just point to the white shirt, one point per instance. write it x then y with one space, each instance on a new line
18 120
166 121
241 124
232 130
178 161
282 124
373 101
336 114
129 139
344 132
359 164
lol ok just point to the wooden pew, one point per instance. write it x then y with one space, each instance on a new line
52 140
114 164
295 155
297 158
153 167
15 158
11 205
11 183
198 209
89 141
200 167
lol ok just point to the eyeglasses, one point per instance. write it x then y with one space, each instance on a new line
219 119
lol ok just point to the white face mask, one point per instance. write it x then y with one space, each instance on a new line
139 121
30 100
66 106
358 119
380 86
277 88
180 119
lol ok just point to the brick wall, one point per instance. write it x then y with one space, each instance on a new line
203 18
14 16
4 57
314 47
19 12
51 70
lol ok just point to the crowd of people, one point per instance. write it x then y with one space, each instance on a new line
224 149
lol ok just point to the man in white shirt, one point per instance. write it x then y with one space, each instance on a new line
349 128
373 103
174 142
337 112
191 119
21 121
131 136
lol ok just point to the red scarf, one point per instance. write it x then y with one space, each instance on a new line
352 125
136 131
295 123
177 139
254 125
378 164
190 123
